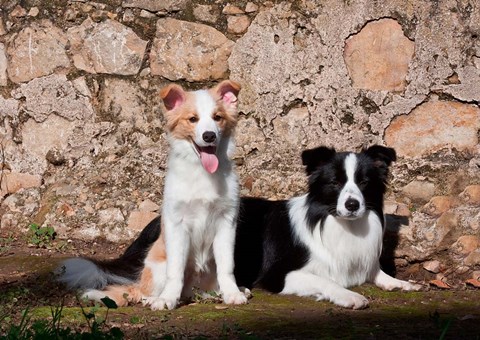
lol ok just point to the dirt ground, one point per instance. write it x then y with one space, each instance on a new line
26 280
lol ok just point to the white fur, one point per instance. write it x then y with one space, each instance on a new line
199 216
205 106
158 270
81 272
350 191
344 253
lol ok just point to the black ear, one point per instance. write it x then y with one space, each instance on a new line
314 158
381 155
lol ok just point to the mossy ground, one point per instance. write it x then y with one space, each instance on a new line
26 281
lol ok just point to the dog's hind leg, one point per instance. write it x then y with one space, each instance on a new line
177 243
303 283
386 282
122 295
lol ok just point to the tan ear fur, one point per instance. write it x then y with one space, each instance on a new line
173 96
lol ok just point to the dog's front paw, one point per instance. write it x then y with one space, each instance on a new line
350 300
236 298
408 286
159 302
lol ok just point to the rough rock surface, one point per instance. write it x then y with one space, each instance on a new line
106 47
80 114
190 51
3 66
378 56
155 5
435 125
37 50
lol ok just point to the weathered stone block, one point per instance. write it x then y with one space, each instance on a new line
106 47
11 182
155 5
190 51
378 56
471 195
55 94
38 50
433 126
238 24
419 190
438 205
139 219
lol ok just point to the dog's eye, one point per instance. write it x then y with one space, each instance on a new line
193 119
336 183
363 183
217 118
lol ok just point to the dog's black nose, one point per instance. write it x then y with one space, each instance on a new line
209 136
352 204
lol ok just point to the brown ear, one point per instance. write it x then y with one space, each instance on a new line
173 96
228 91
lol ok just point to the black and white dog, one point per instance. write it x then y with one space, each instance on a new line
318 244
325 241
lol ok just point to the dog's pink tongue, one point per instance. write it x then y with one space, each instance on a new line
209 161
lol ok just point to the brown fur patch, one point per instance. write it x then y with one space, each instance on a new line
228 120
146 282
122 295
228 113
178 119
158 252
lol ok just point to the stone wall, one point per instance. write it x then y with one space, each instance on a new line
83 146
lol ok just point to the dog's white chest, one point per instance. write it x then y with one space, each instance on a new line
200 203
351 249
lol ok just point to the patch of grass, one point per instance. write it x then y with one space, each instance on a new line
40 236
6 243
134 320
53 328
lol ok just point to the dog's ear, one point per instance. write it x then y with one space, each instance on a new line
317 157
173 96
228 91
381 155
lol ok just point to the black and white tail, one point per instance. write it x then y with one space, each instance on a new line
84 273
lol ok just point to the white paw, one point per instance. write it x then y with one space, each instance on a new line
408 286
403 285
247 292
350 300
159 302
236 298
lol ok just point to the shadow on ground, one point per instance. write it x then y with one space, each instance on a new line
27 281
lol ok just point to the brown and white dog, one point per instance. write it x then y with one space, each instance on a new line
199 213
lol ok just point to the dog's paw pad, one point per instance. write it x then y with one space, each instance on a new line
237 298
